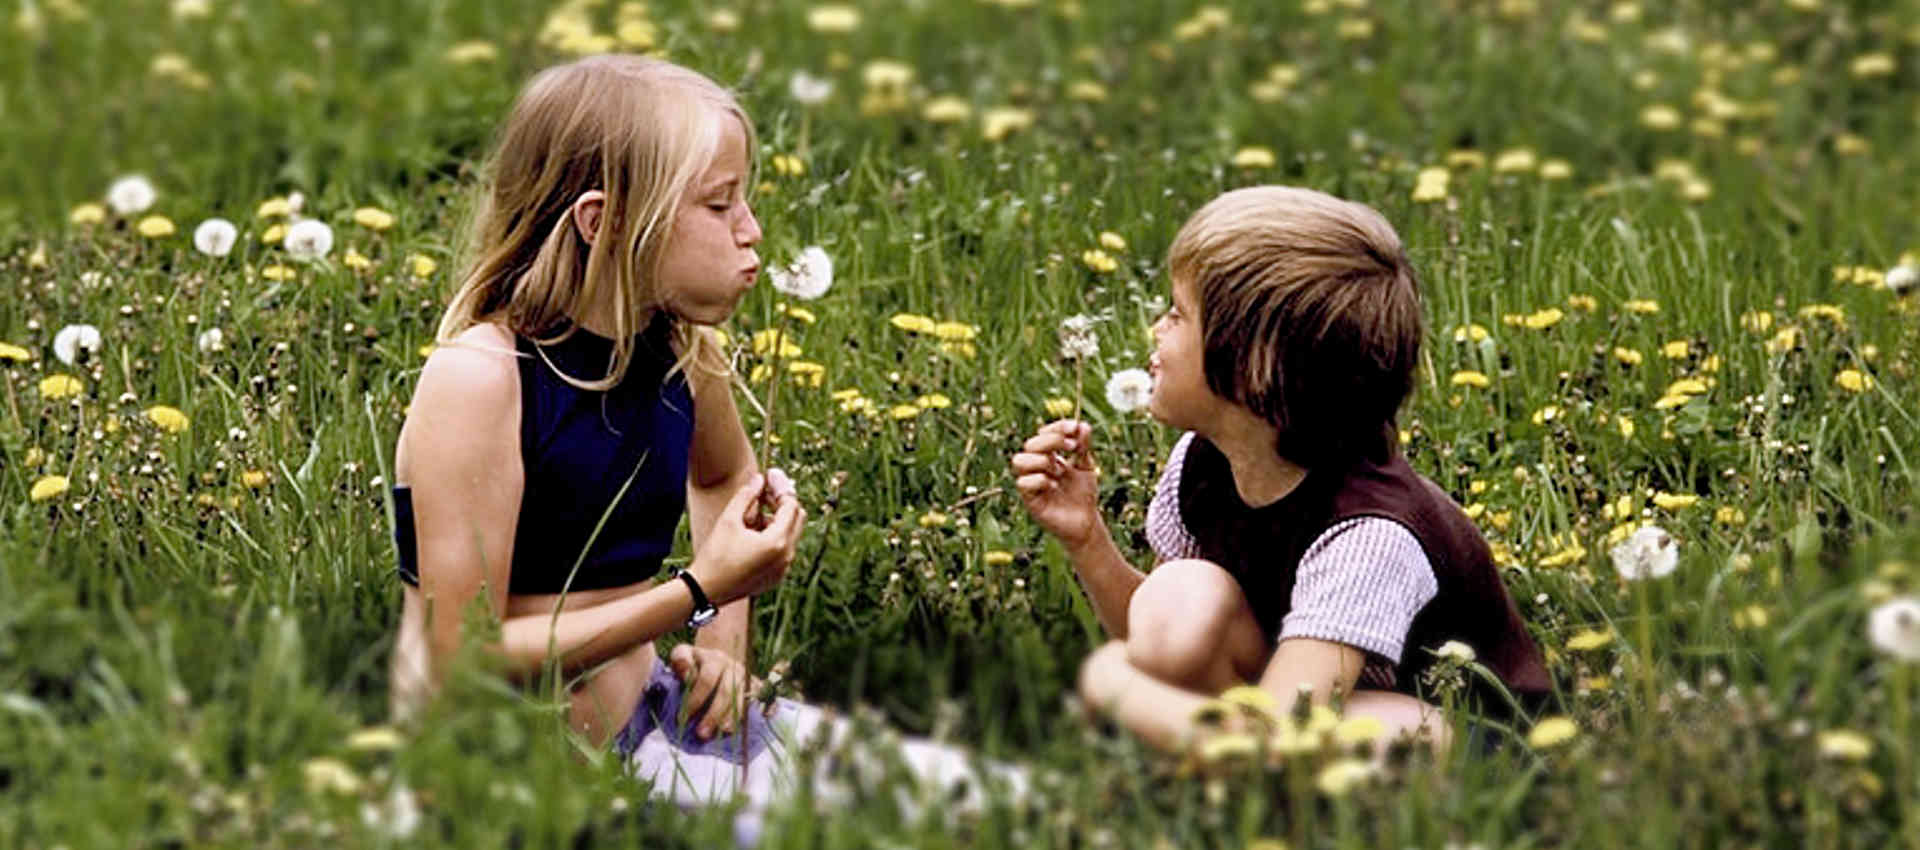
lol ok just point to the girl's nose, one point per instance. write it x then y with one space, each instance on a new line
747 230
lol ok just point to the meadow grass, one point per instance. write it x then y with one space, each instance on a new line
193 631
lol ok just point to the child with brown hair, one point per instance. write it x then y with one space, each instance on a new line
1296 548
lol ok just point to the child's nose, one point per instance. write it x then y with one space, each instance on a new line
747 230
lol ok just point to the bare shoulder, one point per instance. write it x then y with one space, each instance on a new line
467 400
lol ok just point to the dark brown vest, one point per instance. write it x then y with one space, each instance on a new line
1261 548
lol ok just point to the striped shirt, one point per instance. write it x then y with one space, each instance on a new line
1360 583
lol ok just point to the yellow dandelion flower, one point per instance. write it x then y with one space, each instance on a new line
274 208
1112 241
1567 556
1587 640
49 487
373 218
1627 356
60 386
1643 306
1830 312
1098 261
912 323
1552 732
1583 303
170 419
1359 729
1356 29
253 479
933 519
1556 169
788 165
933 401
1057 407
955 331
421 265
763 343
1676 350
1087 91
1515 160
1688 386
14 354
374 739
1542 319
1470 333
1466 159
471 53
277 272
1253 157
1002 121
947 109
1784 340
1844 745
1729 515
155 227
330 775
1853 380
1757 321
1233 746
1546 414
959 348
833 19
997 558
1660 116
357 261
1470 378
1431 185
1851 144
1872 65
1341 777
1750 617
87 214
1674 501
1253 699
903 411
807 373
274 234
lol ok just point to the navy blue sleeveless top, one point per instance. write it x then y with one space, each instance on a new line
579 448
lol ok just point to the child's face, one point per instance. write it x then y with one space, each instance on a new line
709 262
1181 397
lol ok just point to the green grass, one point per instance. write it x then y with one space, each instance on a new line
176 646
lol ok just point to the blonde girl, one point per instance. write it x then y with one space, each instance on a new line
574 389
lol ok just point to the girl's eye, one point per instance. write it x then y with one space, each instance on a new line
720 206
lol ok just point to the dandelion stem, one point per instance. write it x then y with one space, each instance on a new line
757 519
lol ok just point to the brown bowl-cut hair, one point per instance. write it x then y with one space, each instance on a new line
1309 314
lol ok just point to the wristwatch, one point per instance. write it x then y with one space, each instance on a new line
703 610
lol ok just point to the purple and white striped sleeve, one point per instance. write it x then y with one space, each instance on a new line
1165 530
1361 583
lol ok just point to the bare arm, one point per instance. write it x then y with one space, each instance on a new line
721 463
1162 714
1058 481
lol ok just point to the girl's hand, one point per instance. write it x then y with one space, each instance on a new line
711 681
1057 479
740 559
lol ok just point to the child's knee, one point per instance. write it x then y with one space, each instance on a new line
1178 619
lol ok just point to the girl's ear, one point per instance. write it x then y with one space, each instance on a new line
586 213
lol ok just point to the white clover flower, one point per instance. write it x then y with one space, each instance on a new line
1649 553
1454 650
211 340
215 237
1901 278
295 202
131 195
74 339
1894 628
808 89
309 239
1129 390
1077 339
806 278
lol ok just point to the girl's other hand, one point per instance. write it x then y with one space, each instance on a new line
741 559
1057 479
711 681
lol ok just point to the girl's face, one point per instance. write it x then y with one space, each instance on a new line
709 263
1181 397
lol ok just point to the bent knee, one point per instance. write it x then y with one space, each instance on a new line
1181 619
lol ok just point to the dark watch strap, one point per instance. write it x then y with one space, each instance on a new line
703 610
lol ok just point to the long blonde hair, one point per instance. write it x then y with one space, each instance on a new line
641 130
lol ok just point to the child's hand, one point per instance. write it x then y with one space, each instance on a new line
1058 481
741 559
711 680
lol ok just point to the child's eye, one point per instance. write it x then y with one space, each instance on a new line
720 206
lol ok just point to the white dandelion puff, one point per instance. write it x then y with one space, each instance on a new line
1129 390
309 239
211 340
1901 278
215 237
131 195
806 278
808 89
1077 339
1894 628
73 340
1649 553
398 818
